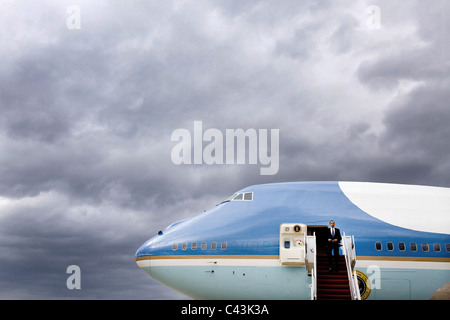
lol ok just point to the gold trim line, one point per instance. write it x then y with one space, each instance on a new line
362 258
209 257
410 259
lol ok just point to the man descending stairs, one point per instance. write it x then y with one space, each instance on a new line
332 285
333 276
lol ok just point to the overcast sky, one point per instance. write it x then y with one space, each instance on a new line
87 111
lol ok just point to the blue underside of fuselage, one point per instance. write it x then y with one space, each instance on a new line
287 283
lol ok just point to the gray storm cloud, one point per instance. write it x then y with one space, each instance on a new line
87 116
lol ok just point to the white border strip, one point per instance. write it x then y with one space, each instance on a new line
425 265
209 262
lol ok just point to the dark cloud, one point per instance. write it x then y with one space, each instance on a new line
87 116
416 134
414 141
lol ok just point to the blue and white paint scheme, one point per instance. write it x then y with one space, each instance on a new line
398 242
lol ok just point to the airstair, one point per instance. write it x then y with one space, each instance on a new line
332 285
301 247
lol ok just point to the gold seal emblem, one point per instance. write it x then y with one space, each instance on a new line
363 284
297 229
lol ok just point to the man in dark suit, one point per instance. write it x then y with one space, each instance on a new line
334 242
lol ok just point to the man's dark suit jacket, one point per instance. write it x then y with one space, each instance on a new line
337 235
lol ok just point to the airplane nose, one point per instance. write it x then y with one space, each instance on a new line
149 249
144 265
142 255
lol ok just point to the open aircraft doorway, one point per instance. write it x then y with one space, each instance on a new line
321 237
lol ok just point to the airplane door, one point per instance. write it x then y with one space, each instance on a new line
292 244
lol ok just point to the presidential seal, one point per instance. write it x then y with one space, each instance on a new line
364 285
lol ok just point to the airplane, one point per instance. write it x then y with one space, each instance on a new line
268 242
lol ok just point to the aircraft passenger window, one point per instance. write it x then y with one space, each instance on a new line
175 246
203 245
240 196
437 247
390 246
223 245
425 247
184 246
413 246
378 246
447 247
213 245
248 196
287 244
401 246
194 245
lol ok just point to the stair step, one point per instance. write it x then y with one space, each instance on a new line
327 266
332 285
328 275
327 271
332 282
323 260
333 297
334 291
333 274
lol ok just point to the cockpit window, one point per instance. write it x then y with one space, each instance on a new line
244 196
239 196
248 196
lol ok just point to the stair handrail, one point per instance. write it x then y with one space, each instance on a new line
354 276
350 255
311 247
315 267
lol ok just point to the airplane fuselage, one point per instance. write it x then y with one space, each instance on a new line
233 250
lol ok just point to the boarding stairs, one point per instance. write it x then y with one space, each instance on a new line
334 285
